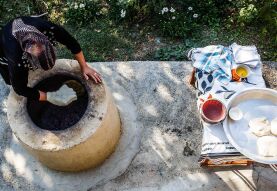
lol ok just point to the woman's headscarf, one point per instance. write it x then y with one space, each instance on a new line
31 39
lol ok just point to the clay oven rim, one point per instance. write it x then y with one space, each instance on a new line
30 134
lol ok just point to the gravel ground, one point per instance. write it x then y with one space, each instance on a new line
171 141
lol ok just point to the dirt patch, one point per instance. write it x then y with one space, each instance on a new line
52 117
269 74
178 132
188 151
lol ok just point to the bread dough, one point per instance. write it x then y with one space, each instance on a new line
274 126
267 146
62 97
260 126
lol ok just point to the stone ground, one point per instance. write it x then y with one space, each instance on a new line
171 141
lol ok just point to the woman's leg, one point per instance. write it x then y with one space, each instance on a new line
4 70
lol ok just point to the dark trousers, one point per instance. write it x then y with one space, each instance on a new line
4 70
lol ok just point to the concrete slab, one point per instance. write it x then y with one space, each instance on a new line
170 147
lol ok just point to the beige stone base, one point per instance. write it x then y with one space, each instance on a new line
86 144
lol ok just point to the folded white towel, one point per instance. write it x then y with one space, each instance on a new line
247 55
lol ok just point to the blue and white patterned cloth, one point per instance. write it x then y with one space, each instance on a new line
214 59
204 81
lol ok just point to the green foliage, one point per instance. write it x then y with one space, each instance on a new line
262 15
123 9
247 14
185 18
266 47
176 52
267 17
82 12
176 19
173 18
101 41
15 8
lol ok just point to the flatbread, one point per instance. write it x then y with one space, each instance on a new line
267 146
274 126
260 126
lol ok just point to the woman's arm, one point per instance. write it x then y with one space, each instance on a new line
19 81
63 37
59 34
86 70
71 43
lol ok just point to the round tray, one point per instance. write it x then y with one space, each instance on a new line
254 102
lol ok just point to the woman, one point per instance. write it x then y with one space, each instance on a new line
27 43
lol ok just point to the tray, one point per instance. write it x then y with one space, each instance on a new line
254 102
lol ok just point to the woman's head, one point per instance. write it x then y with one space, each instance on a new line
41 54
35 45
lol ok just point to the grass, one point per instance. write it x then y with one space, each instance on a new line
100 41
106 41
210 36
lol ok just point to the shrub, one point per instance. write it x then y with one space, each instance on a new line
15 8
180 18
82 12
173 18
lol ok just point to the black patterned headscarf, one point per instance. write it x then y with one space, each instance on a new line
31 40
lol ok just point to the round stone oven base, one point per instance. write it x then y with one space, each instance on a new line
86 144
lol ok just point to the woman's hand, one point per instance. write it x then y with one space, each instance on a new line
90 73
42 96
